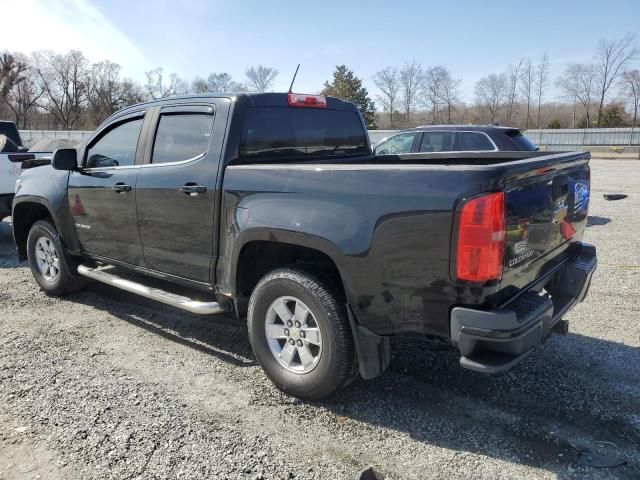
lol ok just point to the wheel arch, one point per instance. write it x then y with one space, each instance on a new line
259 254
25 213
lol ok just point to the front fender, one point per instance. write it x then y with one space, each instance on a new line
48 187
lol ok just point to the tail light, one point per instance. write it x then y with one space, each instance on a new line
481 237
302 100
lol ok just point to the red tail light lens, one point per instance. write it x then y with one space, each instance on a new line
312 101
481 236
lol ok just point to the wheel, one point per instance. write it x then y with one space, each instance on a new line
48 263
300 334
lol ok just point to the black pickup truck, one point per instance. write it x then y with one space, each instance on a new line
273 206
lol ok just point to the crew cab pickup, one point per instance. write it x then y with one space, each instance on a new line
12 156
274 208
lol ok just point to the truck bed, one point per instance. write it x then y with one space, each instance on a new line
388 223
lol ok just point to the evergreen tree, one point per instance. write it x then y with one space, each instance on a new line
347 86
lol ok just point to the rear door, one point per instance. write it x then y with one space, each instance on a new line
545 210
176 191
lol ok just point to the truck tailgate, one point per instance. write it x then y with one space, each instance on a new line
546 209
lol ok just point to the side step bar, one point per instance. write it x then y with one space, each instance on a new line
178 301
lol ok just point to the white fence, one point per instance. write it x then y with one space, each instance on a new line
561 139
29 137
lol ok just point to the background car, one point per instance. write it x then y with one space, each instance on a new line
455 138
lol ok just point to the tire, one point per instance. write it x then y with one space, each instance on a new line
334 357
44 249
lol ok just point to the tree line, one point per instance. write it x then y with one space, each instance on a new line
47 90
603 93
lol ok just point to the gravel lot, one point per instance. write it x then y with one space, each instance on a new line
103 384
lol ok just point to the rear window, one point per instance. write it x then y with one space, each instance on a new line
437 142
181 137
521 142
10 130
474 142
301 133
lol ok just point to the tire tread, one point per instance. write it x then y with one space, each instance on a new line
331 299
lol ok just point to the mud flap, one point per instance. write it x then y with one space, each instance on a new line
373 351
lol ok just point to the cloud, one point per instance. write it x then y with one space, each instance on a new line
64 25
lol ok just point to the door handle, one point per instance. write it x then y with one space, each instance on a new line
190 188
121 187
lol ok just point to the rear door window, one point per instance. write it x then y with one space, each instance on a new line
181 137
286 132
437 142
399 144
474 141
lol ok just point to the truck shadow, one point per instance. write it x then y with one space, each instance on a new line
577 394
221 336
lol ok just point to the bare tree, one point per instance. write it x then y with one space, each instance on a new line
449 93
527 76
260 78
439 92
431 91
24 95
578 84
199 85
410 80
490 93
11 73
223 82
65 82
611 57
216 83
107 93
541 82
513 74
631 90
388 81
157 87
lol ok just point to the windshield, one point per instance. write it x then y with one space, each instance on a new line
521 142
287 133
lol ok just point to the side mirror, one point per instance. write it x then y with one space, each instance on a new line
101 161
65 159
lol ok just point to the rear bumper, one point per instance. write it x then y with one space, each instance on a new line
491 341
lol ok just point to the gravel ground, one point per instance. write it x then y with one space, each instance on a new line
103 384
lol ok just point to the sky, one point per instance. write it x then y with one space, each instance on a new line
197 37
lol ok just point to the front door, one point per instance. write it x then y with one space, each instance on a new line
176 193
102 193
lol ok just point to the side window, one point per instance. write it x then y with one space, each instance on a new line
181 137
473 141
399 144
437 142
117 148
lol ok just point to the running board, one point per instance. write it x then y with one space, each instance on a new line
178 301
